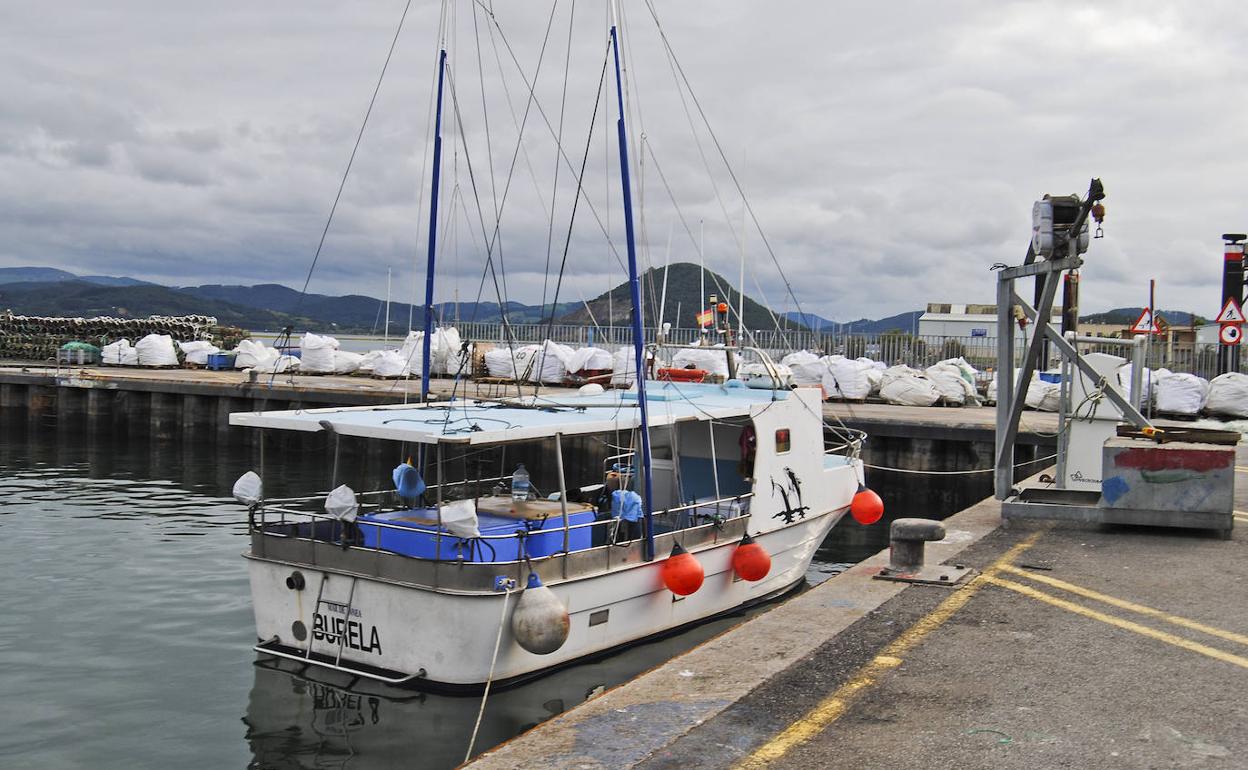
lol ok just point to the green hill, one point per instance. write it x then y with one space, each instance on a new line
612 308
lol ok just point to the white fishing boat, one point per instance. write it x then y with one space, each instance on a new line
661 506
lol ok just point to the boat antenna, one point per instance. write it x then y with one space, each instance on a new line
425 363
634 286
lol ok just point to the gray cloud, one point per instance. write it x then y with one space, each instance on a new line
890 151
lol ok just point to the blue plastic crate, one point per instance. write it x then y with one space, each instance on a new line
1052 377
219 361
545 538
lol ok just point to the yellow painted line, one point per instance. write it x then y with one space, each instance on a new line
1241 468
1152 633
835 705
1123 604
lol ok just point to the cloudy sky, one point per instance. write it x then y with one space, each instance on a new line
891 151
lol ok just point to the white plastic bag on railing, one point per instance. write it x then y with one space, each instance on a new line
1181 393
156 350
197 351
1228 395
316 353
460 518
249 489
341 503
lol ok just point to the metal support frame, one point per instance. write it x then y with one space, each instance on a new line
1011 394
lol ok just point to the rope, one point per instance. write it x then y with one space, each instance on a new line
954 473
502 621
320 245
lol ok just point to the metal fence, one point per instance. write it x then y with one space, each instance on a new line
891 348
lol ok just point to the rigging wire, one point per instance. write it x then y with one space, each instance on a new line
351 160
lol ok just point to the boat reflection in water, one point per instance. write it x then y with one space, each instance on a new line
311 717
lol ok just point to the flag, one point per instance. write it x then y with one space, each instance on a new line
705 318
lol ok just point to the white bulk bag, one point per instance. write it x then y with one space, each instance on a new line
589 358
550 363
249 353
119 353
197 351
1228 395
156 350
909 390
875 373
446 351
316 353
712 360
249 489
623 367
1148 379
389 363
368 360
345 362
807 368
1181 393
1043 396
851 377
760 375
952 383
411 354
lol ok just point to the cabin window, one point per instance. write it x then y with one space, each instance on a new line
784 442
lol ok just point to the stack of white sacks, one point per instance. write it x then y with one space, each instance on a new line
152 350
197 351
255 355
855 379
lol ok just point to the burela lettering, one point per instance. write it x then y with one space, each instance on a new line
349 633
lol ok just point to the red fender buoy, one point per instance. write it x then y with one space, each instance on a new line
751 561
682 574
867 507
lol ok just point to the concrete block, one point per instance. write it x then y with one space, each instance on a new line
1142 475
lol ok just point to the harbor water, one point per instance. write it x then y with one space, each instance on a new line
128 630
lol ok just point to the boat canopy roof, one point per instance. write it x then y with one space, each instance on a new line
491 422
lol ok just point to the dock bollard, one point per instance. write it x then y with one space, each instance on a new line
905 560
906 539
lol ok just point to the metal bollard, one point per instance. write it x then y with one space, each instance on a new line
905 561
906 539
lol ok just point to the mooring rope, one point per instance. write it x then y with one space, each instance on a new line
953 473
498 640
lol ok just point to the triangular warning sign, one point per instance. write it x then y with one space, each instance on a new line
1231 313
1144 324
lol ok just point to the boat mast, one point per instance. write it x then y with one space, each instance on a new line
433 232
634 286
385 334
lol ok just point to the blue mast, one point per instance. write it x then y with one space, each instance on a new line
634 288
433 232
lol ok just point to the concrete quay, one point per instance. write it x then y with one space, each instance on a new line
75 391
1120 647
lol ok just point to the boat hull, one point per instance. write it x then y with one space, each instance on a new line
401 632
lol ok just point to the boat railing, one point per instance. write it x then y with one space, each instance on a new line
319 497
281 521
846 441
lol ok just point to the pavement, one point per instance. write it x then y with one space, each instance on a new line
1116 647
